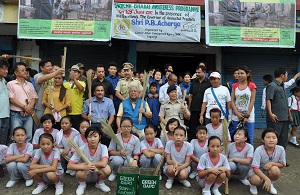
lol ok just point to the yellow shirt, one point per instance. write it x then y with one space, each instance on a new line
56 101
76 97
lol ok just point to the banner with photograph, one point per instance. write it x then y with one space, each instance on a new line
156 22
65 19
245 23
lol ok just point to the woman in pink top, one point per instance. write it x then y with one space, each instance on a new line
242 99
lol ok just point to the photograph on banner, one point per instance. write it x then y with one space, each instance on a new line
65 19
267 23
156 22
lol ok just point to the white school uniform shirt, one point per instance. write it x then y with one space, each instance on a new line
206 163
217 132
242 100
100 153
44 160
13 150
163 139
260 157
133 146
245 152
79 142
39 132
293 103
61 139
222 94
181 154
156 144
199 149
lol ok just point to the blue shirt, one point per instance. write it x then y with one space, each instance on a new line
113 80
185 87
103 109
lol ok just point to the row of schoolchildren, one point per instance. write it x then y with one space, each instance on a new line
202 157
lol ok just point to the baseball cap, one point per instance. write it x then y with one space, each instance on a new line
80 66
215 75
75 68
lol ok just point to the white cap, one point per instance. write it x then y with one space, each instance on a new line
215 75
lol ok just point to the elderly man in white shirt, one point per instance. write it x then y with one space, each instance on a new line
163 95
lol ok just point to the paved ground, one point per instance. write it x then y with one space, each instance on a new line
287 185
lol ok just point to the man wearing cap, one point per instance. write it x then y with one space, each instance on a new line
84 79
100 72
131 107
173 108
210 101
43 80
122 89
163 95
76 89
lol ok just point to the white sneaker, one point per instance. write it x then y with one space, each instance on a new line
186 183
216 192
112 177
59 189
68 171
253 189
245 182
160 177
169 183
80 189
29 182
11 183
273 190
204 192
102 187
72 173
40 188
193 175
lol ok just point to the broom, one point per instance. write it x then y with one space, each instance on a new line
21 57
106 128
145 84
225 143
80 153
159 164
164 131
89 82
63 59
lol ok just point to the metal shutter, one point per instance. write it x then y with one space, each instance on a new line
259 64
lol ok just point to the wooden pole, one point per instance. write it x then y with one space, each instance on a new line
225 144
21 57
63 59
145 86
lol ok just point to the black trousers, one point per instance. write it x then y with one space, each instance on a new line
194 122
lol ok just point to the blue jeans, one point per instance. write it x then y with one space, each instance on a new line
17 120
4 126
250 128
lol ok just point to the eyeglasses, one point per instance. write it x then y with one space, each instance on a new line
126 127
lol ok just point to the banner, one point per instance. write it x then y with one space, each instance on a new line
245 23
65 19
156 22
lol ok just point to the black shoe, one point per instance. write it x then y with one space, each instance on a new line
287 165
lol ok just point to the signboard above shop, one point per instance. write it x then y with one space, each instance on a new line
156 22
267 23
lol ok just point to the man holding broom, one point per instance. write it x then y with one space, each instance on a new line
102 108
131 107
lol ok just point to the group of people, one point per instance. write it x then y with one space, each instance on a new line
191 113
